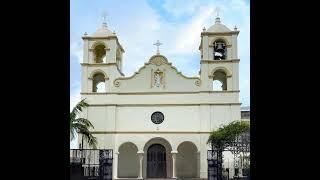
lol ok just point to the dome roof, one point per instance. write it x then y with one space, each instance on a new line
103 31
218 27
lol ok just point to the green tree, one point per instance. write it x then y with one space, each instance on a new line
220 137
81 125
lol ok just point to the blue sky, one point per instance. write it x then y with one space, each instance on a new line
176 23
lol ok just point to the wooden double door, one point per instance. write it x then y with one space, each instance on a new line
156 161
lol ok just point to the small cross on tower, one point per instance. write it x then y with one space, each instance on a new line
158 44
104 17
217 10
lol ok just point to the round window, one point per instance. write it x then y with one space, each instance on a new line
157 117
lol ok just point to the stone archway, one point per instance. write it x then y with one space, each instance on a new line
188 160
162 146
128 161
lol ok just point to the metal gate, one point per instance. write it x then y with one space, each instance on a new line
240 148
214 165
91 164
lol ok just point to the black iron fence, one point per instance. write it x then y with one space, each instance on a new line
240 148
91 164
214 165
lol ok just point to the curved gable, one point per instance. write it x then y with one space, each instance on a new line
157 75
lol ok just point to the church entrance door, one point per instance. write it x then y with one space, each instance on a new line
156 161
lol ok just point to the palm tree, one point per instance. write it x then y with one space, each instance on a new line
81 125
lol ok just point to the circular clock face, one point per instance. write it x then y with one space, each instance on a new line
157 117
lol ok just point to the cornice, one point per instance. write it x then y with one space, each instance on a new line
210 61
100 37
150 132
104 37
156 93
98 64
220 33
102 65
184 104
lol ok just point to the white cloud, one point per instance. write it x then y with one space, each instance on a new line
181 7
188 36
76 49
75 97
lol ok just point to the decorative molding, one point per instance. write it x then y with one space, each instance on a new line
99 37
105 38
150 132
158 93
185 104
224 69
197 82
219 38
220 33
98 64
157 60
97 43
98 71
211 61
116 83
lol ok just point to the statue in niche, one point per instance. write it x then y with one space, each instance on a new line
158 78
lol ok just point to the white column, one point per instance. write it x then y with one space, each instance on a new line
229 83
198 164
174 155
91 56
115 165
90 85
140 154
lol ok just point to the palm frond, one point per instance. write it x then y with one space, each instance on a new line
82 125
78 108
84 121
90 139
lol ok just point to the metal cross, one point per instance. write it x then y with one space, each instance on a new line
104 17
217 10
158 44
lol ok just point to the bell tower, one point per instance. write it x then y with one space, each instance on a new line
219 58
102 60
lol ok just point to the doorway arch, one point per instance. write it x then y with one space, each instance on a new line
156 161
165 143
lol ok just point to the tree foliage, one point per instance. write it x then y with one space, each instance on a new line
218 138
81 125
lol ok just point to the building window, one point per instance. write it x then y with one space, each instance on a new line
157 117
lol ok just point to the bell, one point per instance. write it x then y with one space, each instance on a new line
220 46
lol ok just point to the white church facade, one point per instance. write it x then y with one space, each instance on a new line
158 120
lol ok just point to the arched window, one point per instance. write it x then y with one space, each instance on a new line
98 83
219 50
219 81
99 53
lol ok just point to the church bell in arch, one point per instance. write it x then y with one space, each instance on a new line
220 50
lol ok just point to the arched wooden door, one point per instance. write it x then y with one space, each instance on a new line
156 161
